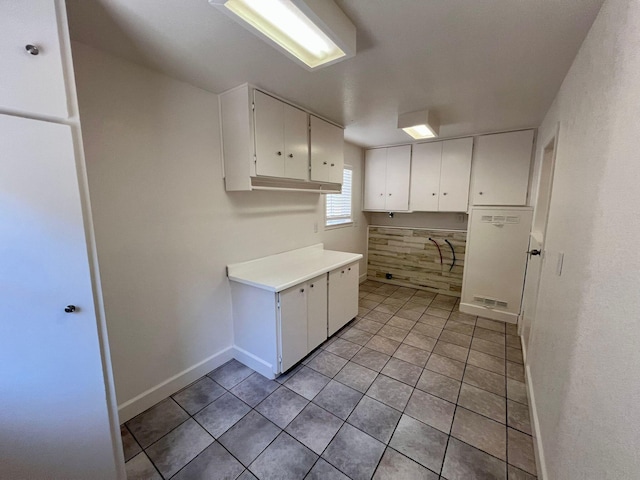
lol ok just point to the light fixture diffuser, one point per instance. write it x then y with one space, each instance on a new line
420 125
315 33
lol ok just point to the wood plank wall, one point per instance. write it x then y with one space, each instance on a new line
413 260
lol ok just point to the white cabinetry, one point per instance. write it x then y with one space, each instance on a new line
302 315
283 308
32 84
281 139
327 151
386 179
501 165
440 175
265 145
343 296
495 262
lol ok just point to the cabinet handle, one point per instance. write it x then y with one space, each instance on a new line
381 194
291 155
389 194
302 290
324 163
312 285
333 164
349 268
480 193
444 193
32 49
433 194
278 153
342 271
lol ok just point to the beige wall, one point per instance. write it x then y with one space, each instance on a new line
166 228
584 356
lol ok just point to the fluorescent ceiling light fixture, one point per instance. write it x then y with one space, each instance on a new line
421 124
315 33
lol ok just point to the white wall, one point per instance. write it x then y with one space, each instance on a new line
584 353
166 228
442 220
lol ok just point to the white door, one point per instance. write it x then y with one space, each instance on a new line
536 243
31 83
375 173
501 165
455 174
293 326
296 143
425 177
54 419
398 173
269 135
316 311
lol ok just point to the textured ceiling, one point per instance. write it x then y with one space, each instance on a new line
482 65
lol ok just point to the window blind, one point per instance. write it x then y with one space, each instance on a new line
339 204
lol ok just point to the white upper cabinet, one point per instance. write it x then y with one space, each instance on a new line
281 139
327 151
501 165
440 175
266 145
32 81
425 176
386 179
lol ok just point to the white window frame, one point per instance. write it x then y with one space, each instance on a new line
346 222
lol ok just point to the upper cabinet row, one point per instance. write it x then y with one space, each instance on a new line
450 175
271 144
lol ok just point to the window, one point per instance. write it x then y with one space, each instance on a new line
338 205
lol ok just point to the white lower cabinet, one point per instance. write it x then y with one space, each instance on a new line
302 319
343 296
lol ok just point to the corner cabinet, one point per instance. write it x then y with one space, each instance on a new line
440 176
386 179
286 305
266 145
501 164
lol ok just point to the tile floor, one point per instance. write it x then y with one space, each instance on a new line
411 389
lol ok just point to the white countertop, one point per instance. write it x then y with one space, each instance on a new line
279 272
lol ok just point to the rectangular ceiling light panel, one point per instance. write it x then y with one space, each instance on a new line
419 125
313 32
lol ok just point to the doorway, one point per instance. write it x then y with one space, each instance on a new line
537 240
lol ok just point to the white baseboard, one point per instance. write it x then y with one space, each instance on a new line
263 368
149 398
488 313
363 277
535 424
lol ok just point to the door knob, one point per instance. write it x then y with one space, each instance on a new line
32 49
70 308
534 252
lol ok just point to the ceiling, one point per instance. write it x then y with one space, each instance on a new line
482 65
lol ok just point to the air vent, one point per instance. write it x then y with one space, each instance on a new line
513 219
490 302
487 218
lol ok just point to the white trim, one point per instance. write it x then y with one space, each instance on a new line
363 277
259 365
541 466
150 397
489 313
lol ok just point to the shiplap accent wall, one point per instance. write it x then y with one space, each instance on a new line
413 260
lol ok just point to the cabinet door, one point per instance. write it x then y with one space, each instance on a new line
501 168
398 173
327 151
375 172
316 312
32 83
296 143
343 296
269 135
425 177
455 175
293 326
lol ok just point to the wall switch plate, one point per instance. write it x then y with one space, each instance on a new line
560 262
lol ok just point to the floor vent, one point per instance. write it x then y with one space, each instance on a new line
490 302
